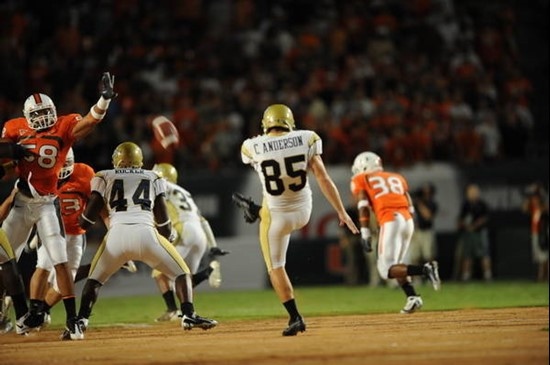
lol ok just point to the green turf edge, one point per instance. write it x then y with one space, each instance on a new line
322 301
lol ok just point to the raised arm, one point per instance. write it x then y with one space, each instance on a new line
98 111
330 192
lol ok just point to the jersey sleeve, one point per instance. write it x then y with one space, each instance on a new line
246 155
315 145
404 182
87 177
358 184
159 187
9 131
68 124
99 183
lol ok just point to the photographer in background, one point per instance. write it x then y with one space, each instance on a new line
473 227
536 205
423 241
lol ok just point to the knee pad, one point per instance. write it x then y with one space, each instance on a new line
383 269
56 246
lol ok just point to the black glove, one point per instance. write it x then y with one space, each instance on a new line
14 151
367 244
107 84
251 210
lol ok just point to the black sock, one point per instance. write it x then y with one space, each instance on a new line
36 305
415 270
291 308
19 304
187 309
170 300
46 307
70 306
409 290
89 297
201 276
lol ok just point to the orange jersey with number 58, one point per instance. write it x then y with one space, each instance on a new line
50 147
73 195
386 192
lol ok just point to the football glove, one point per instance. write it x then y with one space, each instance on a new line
107 84
251 210
173 236
366 240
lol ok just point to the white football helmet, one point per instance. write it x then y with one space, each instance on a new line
39 110
366 162
68 166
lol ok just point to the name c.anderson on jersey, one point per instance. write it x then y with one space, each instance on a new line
279 144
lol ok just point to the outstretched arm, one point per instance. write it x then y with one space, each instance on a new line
331 192
98 111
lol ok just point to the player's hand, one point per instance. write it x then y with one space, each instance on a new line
130 266
215 278
173 236
107 86
367 244
20 152
345 219
250 209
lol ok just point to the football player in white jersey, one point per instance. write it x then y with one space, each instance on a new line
195 240
139 229
282 156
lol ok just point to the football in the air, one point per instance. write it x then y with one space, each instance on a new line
165 132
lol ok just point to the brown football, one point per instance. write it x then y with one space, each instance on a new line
165 131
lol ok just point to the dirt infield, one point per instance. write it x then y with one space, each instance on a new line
503 336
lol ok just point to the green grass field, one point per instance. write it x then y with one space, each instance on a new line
320 301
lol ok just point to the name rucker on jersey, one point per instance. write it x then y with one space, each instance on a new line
282 162
129 194
50 146
73 195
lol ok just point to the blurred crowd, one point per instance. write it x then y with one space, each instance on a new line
417 80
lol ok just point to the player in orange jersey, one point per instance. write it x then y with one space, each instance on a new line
73 192
48 137
386 193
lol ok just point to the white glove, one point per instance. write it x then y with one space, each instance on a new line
215 279
173 236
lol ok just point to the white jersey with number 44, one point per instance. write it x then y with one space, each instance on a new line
129 194
282 162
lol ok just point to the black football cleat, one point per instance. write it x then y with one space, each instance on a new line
251 210
216 251
195 321
298 325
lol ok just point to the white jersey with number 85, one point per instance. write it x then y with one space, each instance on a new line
282 162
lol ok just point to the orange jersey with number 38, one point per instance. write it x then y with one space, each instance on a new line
50 146
386 192
73 195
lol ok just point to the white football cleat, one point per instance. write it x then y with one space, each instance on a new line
413 304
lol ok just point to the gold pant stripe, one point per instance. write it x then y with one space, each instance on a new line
173 253
98 254
265 224
5 244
